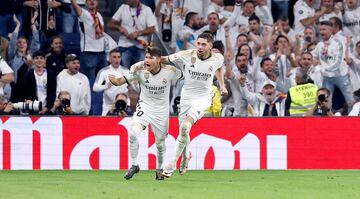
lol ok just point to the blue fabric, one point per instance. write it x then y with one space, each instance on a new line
343 83
131 55
279 8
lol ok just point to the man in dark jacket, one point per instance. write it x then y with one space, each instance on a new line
40 84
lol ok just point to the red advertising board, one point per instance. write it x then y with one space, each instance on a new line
216 143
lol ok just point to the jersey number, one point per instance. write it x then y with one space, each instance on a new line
140 113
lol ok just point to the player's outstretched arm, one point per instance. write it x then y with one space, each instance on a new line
220 77
117 81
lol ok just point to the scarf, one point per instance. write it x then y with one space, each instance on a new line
99 30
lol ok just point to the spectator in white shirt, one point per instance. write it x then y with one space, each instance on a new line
135 22
263 12
305 14
351 18
77 84
198 6
331 53
7 74
355 111
102 83
267 103
92 41
186 37
214 27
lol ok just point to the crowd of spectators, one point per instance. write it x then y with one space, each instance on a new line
282 57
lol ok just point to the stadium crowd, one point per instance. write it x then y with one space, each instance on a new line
282 57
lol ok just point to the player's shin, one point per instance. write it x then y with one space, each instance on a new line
135 130
161 149
182 140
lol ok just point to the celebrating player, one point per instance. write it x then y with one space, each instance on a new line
199 66
153 105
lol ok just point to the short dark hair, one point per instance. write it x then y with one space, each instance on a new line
337 22
264 60
254 17
326 23
249 1
357 95
242 35
323 89
283 18
188 17
214 13
115 50
219 45
55 37
279 37
63 93
306 52
357 43
154 51
239 55
206 36
229 2
38 53
124 94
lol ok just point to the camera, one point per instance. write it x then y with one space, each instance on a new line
120 105
322 98
65 103
34 106
307 39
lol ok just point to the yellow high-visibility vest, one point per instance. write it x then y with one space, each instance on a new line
215 108
303 97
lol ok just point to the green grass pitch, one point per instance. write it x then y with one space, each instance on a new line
292 184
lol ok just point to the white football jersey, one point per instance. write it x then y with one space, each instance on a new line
302 11
199 74
155 88
351 22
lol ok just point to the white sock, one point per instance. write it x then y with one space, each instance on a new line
134 149
161 149
182 140
135 130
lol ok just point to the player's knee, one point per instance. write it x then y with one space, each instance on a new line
185 128
135 130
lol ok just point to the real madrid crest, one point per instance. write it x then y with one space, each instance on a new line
210 69
146 75
193 60
164 81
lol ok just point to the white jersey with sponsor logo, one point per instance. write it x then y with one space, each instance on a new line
331 54
155 88
199 74
351 23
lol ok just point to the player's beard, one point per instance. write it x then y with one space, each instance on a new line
203 55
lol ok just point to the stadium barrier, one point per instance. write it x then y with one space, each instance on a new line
48 143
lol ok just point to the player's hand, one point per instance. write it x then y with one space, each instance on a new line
113 80
223 91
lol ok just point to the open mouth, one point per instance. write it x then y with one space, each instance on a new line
147 65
